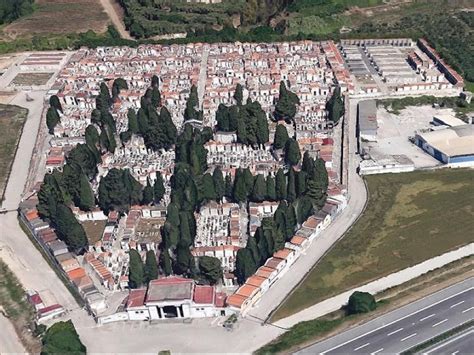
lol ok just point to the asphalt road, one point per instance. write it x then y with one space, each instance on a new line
407 326
460 344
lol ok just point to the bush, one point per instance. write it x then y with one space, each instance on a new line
361 302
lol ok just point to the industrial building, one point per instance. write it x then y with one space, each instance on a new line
367 120
453 145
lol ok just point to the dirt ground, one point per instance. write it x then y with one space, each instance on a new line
59 17
28 79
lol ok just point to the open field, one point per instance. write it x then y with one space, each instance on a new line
59 17
12 119
309 332
28 79
15 307
409 218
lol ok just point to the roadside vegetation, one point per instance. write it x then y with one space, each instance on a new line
15 307
409 218
12 120
306 333
460 106
11 10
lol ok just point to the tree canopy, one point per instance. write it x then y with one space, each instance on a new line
62 338
335 106
287 103
118 190
361 302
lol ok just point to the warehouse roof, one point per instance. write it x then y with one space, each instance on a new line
453 141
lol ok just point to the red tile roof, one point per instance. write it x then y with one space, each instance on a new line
136 298
204 294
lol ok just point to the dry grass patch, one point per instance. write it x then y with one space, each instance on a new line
15 307
409 218
12 119
94 230
28 79
59 17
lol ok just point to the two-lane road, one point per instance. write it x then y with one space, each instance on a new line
407 326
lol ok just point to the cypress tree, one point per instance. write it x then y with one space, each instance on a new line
281 137
259 190
228 188
151 266
292 152
158 188
165 262
301 183
239 94
244 265
132 121
172 214
183 259
280 185
240 187
155 97
270 186
208 192
142 119
54 102
86 195
291 188
185 237
253 247
147 193
262 132
335 106
219 185
136 272
52 119
155 82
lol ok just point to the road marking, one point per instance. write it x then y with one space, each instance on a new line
455 352
376 351
449 342
399 319
456 304
424 318
362 346
408 337
395 331
467 310
440 322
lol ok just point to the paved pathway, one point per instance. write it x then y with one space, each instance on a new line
110 7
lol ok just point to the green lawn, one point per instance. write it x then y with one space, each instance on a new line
410 217
12 119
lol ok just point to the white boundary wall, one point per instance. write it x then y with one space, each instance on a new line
334 303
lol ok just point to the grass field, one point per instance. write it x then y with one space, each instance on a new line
12 119
15 306
409 218
58 17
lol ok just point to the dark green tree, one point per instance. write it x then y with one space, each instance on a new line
228 189
281 137
118 190
335 106
136 272
151 266
239 94
292 152
155 97
132 121
155 81
219 184
280 185
183 259
291 185
211 269
285 108
54 102
271 190
52 119
244 265
361 302
62 338
86 200
259 190
68 228
165 262
158 188
148 194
